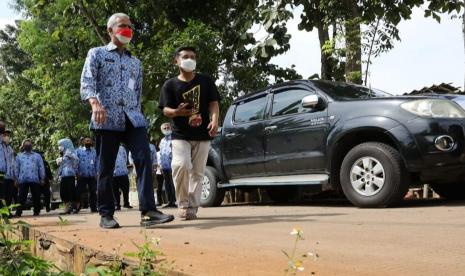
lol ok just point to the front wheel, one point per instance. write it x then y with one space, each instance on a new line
454 191
373 175
211 196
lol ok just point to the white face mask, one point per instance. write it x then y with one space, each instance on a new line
61 148
188 65
166 132
123 39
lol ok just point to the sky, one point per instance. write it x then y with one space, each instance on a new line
428 53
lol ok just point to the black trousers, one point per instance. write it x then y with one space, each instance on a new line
10 192
45 190
88 184
68 189
2 188
160 195
121 184
23 191
107 145
169 186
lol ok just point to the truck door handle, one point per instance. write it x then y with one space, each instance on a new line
270 128
231 135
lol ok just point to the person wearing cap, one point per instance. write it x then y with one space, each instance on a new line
111 82
30 174
191 100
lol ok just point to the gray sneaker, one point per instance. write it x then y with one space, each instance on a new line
154 217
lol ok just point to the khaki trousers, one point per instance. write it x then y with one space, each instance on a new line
188 165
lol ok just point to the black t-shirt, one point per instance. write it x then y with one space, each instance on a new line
198 92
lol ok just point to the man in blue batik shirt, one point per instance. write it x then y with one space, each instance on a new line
166 157
7 165
30 174
121 179
87 172
111 83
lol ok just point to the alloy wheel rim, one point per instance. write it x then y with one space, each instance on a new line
367 176
205 188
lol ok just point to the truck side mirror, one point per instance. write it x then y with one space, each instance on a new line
310 101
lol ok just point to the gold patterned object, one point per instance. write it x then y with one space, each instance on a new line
192 97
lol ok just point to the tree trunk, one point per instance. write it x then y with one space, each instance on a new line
326 65
353 38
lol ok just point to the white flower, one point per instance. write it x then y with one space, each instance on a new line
296 232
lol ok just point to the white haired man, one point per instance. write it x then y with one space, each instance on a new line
111 83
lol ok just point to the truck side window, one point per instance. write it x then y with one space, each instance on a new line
252 110
289 101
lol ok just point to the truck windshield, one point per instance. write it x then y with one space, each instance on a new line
341 91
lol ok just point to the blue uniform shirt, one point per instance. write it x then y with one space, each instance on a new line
87 162
69 165
166 154
10 163
121 165
116 82
3 158
29 168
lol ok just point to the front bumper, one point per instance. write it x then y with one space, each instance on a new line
416 141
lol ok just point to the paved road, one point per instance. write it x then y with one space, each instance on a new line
418 238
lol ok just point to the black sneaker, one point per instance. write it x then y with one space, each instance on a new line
35 215
154 217
108 222
118 208
127 206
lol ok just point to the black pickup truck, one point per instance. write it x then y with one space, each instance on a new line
371 145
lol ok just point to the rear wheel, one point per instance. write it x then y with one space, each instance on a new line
454 191
211 196
373 175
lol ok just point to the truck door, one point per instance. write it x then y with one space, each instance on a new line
295 137
243 138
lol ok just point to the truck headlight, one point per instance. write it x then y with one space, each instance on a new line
434 108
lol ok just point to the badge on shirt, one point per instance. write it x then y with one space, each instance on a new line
131 83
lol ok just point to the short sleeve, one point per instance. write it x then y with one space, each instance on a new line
213 94
166 97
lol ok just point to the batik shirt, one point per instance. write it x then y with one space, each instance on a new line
69 165
165 153
87 162
121 165
29 168
116 82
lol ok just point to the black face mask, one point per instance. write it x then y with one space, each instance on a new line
88 146
28 148
2 129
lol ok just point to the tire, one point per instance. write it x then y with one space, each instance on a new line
212 196
281 194
453 191
373 175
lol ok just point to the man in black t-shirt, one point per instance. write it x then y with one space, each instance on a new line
191 100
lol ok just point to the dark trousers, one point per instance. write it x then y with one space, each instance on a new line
121 182
160 195
68 189
88 184
45 190
2 188
107 145
169 186
10 192
23 191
